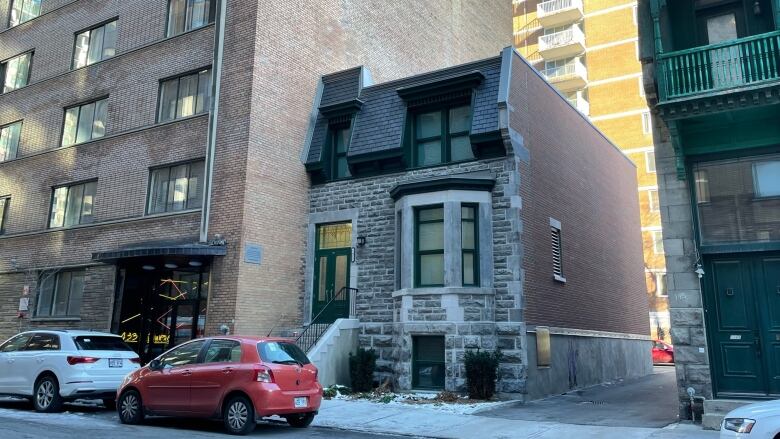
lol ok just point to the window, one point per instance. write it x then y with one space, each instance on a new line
15 72
442 136
4 202
650 162
60 294
95 45
182 355
185 15
339 143
766 177
641 87
15 344
176 188
428 365
223 351
469 244
658 241
73 205
100 343
429 247
85 122
702 186
557 250
23 10
281 353
9 140
660 284
652 200
43 342
185 96
647 125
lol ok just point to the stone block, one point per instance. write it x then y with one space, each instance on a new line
699 374
686 317
685 299
698 337
681 336
382 341
507 329
482 328
372 328
471 342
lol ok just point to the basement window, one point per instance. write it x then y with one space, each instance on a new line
428 362
557 250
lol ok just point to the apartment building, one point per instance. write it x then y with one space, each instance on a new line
150 180
588 49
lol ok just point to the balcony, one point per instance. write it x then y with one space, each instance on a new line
569 77
553 13
563 44
579 102
746 62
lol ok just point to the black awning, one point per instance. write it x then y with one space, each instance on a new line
162 250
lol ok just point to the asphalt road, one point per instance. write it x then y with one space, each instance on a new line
18 420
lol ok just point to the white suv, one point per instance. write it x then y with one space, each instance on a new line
50 366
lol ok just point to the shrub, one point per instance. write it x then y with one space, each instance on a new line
361 369
481 373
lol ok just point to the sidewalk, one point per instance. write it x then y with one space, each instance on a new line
421 421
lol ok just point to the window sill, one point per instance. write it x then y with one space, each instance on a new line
55 319
438 291
560 279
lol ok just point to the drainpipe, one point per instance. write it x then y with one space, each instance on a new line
216 82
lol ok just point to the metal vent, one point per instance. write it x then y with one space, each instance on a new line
555 234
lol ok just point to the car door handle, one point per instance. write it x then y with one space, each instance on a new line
11 360
227 370
186 372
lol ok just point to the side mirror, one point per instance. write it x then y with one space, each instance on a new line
155 364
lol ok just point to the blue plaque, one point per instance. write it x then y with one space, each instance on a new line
253 253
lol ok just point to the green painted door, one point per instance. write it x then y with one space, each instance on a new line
743 318
332 260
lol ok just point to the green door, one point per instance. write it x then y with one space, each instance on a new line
331 272
742 296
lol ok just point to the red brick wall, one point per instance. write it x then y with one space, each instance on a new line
577 177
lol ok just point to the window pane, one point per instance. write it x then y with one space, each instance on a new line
99 124
460 119
177 188
61 292
342 170
468 268
188 90
168 94
76 293
3 207
88 202
16 13
431 214
467 235
16 72
31 9
182 355
429 153
9 141
428 125
45 294
69 130
767 177
223 351
73 210
58 207
342 138
81 51
323 280
468 212
334 236
95 51
460 149
109 40
176 13
200 10
432 269
86 116
204 91
23 73
158 188
195 186
431 236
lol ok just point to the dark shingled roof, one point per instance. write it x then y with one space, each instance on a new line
379 124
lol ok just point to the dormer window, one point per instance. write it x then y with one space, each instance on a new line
339 141
442 136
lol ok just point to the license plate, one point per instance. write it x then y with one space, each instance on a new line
114 362
301 402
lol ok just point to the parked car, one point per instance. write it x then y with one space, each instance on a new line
663 352
235 379
759 420
51 367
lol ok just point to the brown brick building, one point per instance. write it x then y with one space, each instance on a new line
150 174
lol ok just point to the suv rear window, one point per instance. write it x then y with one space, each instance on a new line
100 343
281 352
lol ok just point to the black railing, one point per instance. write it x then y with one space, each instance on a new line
320 323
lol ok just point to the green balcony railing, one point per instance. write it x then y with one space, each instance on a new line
731 64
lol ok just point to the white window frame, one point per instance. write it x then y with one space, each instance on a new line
654 205
657 239
647 122
650 167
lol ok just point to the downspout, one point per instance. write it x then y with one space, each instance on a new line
211 140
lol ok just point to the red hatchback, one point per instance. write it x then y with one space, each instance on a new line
236 379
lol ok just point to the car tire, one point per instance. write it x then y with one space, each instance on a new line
129 407
302 420
109 403
46 395
239 416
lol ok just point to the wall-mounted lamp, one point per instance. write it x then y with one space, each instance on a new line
171 265
756 7
361 241
699 271
148 267
195 263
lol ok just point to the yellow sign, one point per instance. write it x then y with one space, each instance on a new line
130 337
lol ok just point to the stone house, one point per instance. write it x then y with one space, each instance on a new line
474 208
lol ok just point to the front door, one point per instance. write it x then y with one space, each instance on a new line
719 25
331 272
743 320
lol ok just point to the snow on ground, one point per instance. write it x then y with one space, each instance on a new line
424 400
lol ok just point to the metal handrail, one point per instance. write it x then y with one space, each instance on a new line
312 333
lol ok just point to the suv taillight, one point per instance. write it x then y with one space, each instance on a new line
263 375
81 360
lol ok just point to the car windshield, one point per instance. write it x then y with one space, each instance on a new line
100 343
281 352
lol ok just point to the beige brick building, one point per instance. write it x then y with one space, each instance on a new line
588 50
150 173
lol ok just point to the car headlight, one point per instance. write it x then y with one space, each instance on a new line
739 425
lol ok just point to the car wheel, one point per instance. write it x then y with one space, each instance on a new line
302 420
110 403
46 395
239 415
129 408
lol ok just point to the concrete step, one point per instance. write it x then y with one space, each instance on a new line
711 421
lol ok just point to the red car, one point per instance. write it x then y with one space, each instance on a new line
236 379
662 352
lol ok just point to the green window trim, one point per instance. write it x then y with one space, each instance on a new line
419 254
470 221
424 138
339 145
